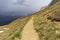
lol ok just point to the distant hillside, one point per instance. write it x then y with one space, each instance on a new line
46 23
54 1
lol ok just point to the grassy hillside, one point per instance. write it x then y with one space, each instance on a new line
54 1
14 29
46 23
48 29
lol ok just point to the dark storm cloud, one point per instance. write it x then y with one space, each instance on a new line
21 7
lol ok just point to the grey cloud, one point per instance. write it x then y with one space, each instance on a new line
21 7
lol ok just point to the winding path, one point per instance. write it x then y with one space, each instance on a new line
28 32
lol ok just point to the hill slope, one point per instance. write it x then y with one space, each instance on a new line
46 24
13 28
54 1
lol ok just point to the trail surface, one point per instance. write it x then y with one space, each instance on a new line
28 32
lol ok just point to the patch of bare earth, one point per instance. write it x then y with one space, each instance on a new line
28 32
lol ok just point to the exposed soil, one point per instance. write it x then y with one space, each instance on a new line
28 32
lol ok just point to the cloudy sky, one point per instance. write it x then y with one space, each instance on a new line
21 7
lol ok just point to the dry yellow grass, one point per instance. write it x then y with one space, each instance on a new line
46 29
17 24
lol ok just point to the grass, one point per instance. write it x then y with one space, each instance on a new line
55 16
45 28
17 33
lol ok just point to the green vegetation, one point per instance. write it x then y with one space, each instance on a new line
47 29
17 33
55 16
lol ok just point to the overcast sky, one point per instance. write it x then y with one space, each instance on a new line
21 7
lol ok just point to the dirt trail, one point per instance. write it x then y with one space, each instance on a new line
28 32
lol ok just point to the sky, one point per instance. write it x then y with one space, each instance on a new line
21 7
